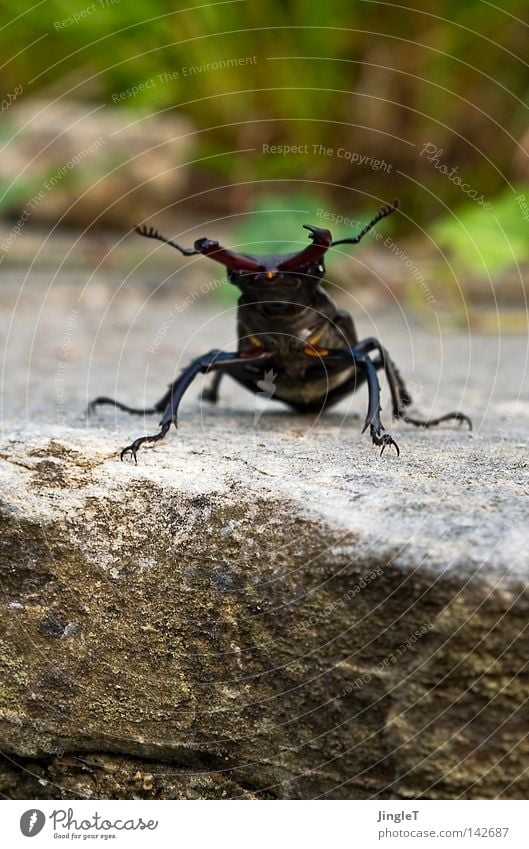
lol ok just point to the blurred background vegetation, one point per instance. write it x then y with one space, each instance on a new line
378 81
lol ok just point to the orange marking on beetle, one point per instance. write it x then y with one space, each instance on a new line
315 351
316 336
257 348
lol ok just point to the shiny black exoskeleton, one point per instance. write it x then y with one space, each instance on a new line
289 327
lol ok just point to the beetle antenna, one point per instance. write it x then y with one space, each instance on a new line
151 233
382 213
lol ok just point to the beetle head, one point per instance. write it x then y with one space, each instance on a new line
273 276
268 273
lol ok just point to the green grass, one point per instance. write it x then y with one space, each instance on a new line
486 242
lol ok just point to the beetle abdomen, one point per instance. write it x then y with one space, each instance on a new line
312 393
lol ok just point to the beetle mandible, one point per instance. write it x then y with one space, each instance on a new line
288 324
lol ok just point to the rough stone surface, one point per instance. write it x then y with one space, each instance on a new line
263 607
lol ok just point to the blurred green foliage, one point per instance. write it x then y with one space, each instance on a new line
274 224
351 85
372 78
484 243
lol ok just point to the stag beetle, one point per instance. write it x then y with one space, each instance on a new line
288 325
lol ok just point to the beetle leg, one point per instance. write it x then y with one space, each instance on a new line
455 416
399 394
212 360
132 449
376 428
135 411
211 393
373 422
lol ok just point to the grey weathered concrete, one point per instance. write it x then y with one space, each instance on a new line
263 606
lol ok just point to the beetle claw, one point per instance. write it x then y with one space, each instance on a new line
384 439
388 440
132 450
